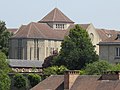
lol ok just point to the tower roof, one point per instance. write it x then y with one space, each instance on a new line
56 16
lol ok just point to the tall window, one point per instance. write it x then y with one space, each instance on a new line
36 49
30 53
20 49
37 53
117 54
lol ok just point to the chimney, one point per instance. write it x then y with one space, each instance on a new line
111 75
69 78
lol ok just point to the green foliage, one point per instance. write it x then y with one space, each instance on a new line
3 63
77 50
34 79
115 67
19 81
97 67
4 69
54 70
4 37
4 81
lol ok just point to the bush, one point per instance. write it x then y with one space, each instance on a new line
34 79
19 81
4 81
97 67
54 70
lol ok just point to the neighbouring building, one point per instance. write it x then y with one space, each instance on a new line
110 49
37 40
25 66
71 80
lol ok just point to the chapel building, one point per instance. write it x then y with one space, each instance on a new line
38 40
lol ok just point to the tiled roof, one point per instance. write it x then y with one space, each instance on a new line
108 36
25 63
105 34
12 30
51 83
56 16
43 31
83 82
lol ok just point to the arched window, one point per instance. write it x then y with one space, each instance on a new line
92 36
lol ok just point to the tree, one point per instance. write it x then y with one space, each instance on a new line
4 70
54 70
34 79
97 67
48 60
19 81
77 50
4 37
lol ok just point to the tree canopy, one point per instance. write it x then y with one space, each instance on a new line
4 69
19 81
4 37
97 68
54 70
34 79
77 50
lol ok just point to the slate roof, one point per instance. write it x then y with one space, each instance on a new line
43 31
25 63
56 16
83 82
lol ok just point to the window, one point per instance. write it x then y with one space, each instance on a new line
20 49
60 26
30 53
92 36
36 49
117 54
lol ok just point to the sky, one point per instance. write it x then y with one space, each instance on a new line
101 13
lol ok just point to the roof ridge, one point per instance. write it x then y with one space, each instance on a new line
18 30
39 30
62 15
54 14
29 30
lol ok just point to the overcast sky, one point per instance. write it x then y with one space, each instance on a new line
102 13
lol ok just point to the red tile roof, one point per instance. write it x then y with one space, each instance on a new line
83 82
43 31
56 16
108 36
51 83
105 34
12 30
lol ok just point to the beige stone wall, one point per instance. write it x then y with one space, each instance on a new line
108 53
13 48
45 47
51 45
95 39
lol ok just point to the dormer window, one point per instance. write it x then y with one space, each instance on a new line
60 26
109 35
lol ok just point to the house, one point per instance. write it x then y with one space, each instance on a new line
37 40
71 80
110 49
25 66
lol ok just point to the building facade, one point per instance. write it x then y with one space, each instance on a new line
37 40
110 49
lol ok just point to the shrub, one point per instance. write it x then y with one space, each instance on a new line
34 79
19 81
